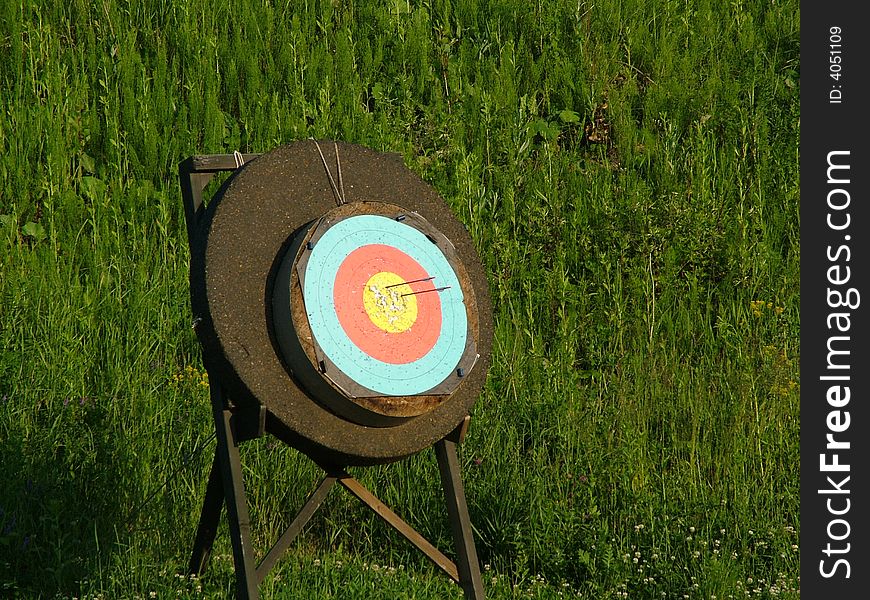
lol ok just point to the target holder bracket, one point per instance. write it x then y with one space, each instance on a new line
226 488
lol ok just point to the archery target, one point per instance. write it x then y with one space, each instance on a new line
385 306
250 252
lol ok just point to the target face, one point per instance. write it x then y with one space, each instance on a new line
385 307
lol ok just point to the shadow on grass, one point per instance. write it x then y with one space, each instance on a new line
63 497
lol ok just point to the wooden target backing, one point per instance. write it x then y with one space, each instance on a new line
362 323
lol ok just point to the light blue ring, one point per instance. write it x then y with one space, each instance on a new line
328 254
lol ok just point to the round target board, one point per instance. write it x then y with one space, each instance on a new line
360 321
380 295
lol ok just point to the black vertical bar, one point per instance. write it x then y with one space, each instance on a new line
835 262
460 523
208 520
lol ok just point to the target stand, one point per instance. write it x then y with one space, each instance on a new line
342 309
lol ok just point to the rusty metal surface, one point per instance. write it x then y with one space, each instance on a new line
236 249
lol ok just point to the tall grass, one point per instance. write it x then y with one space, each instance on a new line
629 173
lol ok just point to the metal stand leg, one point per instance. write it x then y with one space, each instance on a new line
237 509
208 520
457 510
295 528
225 486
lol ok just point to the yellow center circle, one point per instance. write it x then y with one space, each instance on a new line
389 303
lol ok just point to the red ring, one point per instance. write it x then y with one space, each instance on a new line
350 280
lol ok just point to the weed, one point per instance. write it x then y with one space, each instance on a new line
629 173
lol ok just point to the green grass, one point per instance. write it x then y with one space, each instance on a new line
629 172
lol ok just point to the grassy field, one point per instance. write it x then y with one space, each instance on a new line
629 172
